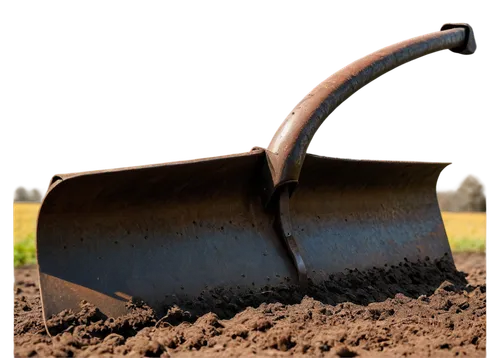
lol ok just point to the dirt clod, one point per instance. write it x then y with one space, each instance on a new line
346 352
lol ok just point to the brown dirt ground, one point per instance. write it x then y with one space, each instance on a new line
424 309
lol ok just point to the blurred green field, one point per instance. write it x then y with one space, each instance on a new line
466 232
25 215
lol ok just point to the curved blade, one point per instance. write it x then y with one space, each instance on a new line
179 231
361 214
158 233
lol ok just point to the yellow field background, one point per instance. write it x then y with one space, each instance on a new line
466 231
25 215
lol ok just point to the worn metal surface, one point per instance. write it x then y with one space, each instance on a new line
469 45
181 229
154 232
173 230
365 214
288 148
285 228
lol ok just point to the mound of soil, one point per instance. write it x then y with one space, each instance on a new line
415 309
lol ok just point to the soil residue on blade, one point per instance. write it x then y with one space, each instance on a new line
411 279
424 308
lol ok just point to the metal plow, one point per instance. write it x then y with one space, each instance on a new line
264 218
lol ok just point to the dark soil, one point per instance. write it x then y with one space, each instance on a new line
415 309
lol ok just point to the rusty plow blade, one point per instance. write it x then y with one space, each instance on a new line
374 213
155 232
177 232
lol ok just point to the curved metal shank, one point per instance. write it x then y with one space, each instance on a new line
287 150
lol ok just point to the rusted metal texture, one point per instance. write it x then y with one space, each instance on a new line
287 150
157 231
365 214
469 46
179 230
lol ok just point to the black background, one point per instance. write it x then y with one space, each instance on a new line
146 90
